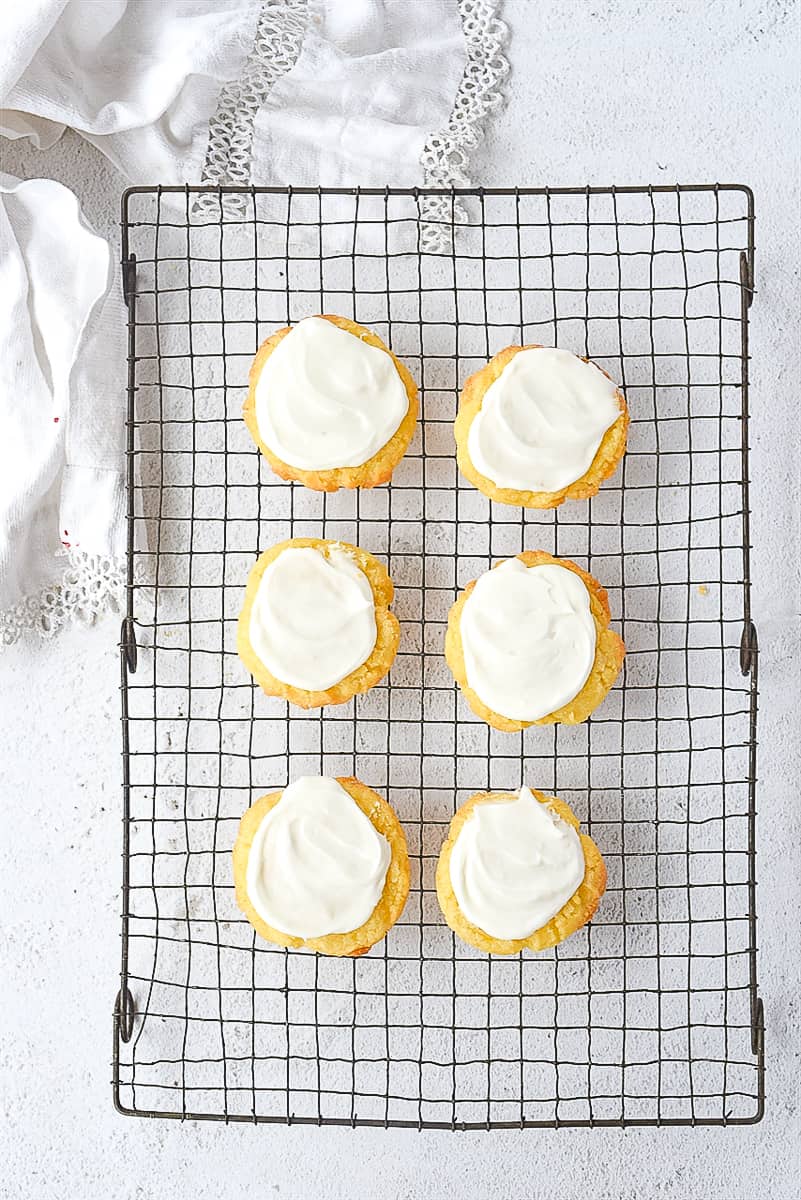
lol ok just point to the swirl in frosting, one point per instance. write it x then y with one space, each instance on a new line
325 399
313 618
317 864
542 421
514 865
528 638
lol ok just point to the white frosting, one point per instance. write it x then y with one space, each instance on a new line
317 864
528 639
542 420
326 399
514 865
313 618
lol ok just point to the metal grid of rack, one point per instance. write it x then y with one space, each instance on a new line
649 1015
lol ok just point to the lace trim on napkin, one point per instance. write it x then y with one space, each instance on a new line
91 586
445 156
279 37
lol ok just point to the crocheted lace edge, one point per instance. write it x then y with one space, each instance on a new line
90 586
279 36
446 155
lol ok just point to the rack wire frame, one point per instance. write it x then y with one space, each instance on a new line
649 1016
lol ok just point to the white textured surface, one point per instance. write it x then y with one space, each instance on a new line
610 92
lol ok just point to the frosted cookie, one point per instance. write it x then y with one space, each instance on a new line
529 643
330 405
538 425
514 873
315 626
322 864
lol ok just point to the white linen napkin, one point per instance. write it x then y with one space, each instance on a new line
139 79
368 89
258 91
355 92
62 394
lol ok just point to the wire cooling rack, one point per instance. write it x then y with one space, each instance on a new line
650 1015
